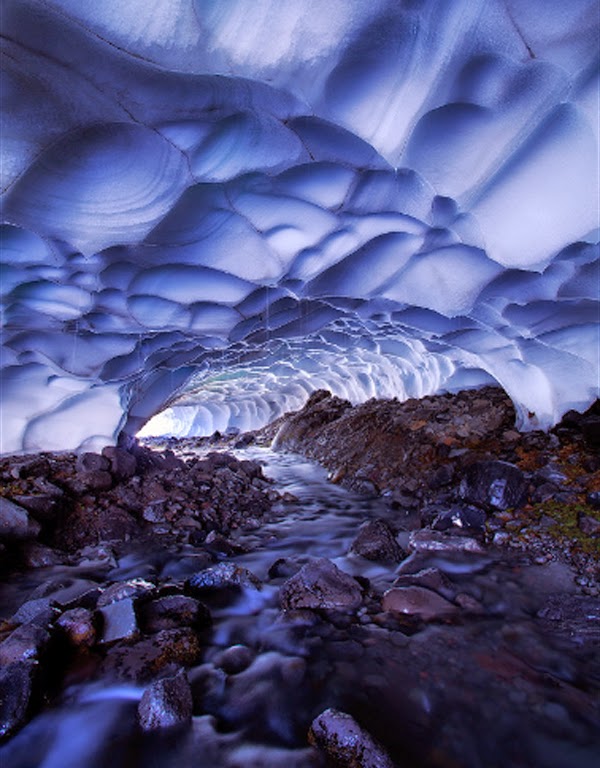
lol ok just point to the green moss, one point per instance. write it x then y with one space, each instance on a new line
566 527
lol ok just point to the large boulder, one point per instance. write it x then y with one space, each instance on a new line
320 584
493 485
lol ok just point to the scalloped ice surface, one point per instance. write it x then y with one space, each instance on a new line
212 209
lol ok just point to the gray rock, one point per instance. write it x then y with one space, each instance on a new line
345 743
320 584
430 578
132 588
15 522
221 576
39 611
376 541
16 687
69 592
417 601
436 541
493 485
25 643
119 621
166 703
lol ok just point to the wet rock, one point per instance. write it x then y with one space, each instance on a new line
35 555
40 611
222 576
376 541
123 464
345 743
493 485
146 658
284 567
235 659
69 592
119 621
15 522
79 627
173 611
167 703
460 517
430 578
417 601
593 499
26 643
16 689
132 588
436 541
320 584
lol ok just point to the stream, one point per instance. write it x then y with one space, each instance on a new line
503 682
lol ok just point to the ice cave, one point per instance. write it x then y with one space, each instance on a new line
212 208
299 416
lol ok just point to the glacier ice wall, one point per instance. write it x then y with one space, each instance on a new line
212 208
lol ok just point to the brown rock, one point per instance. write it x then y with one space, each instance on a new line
79 627
146 658
320 584
417 601
376 541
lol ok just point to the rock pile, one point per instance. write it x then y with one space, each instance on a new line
455 463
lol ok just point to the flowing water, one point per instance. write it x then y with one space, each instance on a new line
495 686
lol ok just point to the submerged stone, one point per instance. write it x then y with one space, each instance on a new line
417 601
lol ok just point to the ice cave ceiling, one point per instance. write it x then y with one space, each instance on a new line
214 207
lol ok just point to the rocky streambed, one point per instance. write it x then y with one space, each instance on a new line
215 603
